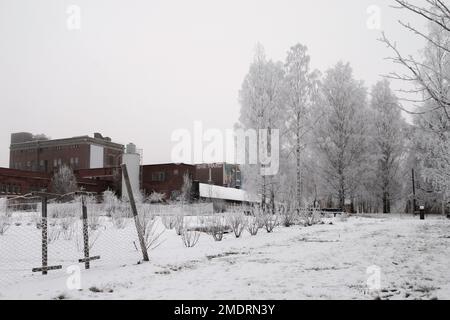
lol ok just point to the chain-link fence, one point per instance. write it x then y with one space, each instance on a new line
35 241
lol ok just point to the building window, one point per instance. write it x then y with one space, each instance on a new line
55 163
175 172
158 176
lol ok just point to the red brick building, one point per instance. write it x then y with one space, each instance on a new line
165 178
219 174
39 154
20 182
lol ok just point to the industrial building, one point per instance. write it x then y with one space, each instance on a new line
37 153
96 161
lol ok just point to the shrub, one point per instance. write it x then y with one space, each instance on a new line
237 222
219 206
311 216
63 227
64 181
3 206
62 210
156 197
253 225
190 238
179 223
93 237
270 221
119 220
110 203
215 226
5 216
149 228
169 221
288 216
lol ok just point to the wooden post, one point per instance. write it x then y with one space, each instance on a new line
135 213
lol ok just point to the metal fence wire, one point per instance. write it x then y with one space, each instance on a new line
39 239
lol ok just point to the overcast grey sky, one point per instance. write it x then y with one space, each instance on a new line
137 70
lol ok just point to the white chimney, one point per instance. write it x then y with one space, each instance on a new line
132 160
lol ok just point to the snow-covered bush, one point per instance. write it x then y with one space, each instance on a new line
169 221
110 203
310 216
179 223
156 197
190 238
219 206
270 221
93 237
94 220
66 227
119 219
287 216
64 181
253 225
216 227
5 216
150 230
236 221
62 210
3 205
5 223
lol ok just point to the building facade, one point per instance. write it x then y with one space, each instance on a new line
165 178
15 182
39 154
219 174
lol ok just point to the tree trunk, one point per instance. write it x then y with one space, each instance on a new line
299 186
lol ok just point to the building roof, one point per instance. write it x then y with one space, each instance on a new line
65 141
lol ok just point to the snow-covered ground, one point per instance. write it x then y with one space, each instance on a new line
328 261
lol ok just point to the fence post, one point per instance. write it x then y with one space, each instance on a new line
135 213
85 233
44 227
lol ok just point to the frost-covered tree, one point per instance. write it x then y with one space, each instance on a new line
341 134
301 91
261 98
64 181
186 188
430 75
424 75
387 144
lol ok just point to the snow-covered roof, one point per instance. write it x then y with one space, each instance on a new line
217 192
